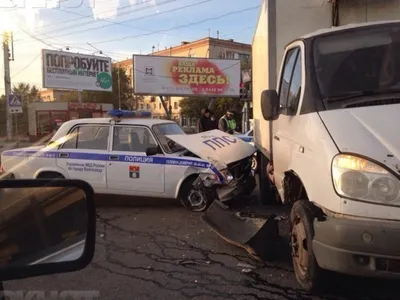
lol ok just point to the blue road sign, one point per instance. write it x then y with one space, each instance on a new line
15 103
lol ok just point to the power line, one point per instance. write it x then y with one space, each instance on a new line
90 16
27 66
180 26
135 19
90 22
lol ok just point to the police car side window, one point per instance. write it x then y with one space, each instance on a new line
89 138
132 139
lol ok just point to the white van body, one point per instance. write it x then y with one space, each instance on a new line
353 235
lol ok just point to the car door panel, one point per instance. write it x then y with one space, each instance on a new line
129 169
79 162
284 142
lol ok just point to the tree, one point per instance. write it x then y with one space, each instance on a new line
123 90
29 93
191 107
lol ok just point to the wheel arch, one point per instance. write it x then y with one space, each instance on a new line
50 170
189 174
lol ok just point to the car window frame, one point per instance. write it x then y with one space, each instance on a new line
287 58
130 125
60 147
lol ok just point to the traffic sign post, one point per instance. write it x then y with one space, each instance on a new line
15 104
15 107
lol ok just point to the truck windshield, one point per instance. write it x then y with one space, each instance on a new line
352 64
161 130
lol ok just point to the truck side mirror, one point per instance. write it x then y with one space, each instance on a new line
270 105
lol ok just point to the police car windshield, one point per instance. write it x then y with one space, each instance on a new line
162 130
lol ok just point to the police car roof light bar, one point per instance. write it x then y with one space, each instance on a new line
118 113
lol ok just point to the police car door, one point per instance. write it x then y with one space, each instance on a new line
129 168
84 154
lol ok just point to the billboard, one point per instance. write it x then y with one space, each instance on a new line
74 71
184 76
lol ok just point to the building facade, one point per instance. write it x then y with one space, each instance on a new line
50 95
203 48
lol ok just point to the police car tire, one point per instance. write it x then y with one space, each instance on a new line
268 194
186 187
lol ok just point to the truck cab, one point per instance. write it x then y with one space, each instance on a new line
330 149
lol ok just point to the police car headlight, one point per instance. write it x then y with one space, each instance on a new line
228 177
209 179
358 178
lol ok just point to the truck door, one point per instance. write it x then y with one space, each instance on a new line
128 168
289 90
83 155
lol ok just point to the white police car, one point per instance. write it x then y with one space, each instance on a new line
132 154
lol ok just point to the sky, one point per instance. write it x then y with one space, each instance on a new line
118 28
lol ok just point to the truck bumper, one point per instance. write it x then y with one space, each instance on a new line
368 248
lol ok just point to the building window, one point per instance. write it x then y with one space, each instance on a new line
62 97
176 105
159 105
148 106
152 99
184 121
154 106
141 106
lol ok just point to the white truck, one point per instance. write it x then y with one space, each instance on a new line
326 109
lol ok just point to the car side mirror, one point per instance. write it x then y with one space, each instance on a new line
270 105
153 151
47 227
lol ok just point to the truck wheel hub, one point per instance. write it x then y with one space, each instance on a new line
299 245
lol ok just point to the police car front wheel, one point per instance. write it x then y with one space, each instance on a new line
193 199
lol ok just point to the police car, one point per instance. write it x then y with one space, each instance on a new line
130 153
248 138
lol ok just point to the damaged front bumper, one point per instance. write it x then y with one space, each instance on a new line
237 179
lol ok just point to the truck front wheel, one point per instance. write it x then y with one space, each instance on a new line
308 273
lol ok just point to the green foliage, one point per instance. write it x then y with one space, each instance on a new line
192 106
123 90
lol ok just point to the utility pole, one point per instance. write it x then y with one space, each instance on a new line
7 81
119 87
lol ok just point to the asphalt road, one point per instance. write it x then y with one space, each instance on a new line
166 252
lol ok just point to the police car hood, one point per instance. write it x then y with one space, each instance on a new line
215 146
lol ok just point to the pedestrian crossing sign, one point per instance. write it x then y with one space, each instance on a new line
15 103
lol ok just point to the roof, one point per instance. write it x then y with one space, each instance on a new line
64 129
129 121
346 27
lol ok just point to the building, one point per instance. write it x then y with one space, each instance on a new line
45 117
208 48
49 95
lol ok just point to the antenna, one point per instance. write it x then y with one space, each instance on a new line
217 34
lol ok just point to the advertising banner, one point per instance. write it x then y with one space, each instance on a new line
66 70
184 76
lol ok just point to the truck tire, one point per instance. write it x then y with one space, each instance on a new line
191 198
267 190
308 274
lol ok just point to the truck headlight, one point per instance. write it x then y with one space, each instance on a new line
361 179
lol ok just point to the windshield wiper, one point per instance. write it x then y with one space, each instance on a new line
357 94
